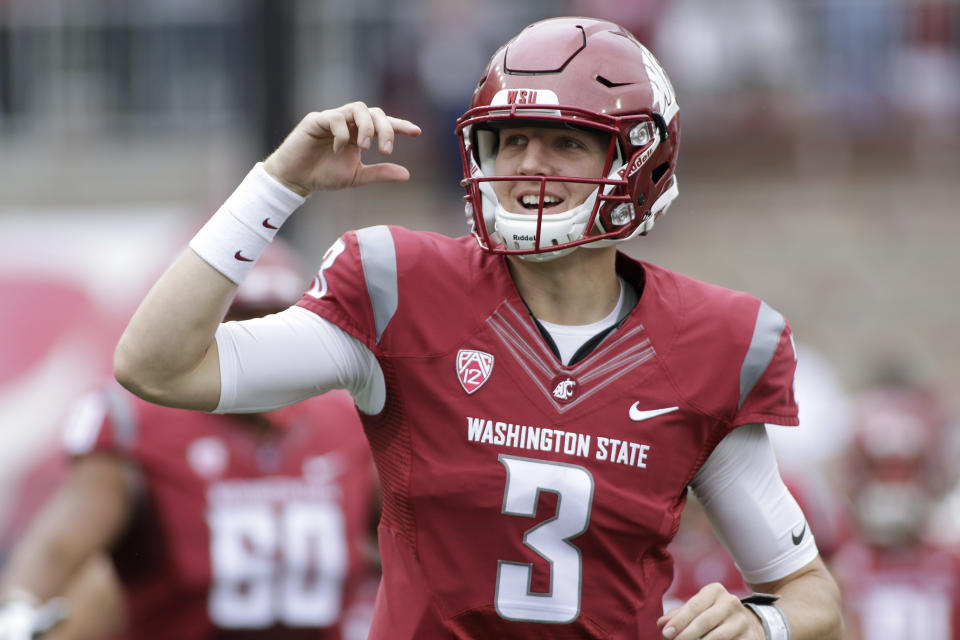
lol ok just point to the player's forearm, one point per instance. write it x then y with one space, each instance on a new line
40 570
81 519
811 601
167 353
94 601
46 556
169 343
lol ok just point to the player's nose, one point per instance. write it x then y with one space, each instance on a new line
535 159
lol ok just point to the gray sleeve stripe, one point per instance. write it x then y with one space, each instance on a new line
379 258
763 344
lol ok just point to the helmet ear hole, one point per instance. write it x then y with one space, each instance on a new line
658 172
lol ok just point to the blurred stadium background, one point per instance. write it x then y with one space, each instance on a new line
820 162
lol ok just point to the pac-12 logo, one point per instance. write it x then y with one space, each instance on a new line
473 368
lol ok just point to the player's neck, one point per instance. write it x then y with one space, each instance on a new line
578 288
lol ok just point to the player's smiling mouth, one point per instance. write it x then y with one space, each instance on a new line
531 201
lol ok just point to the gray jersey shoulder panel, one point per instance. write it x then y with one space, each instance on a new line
378 255
766 338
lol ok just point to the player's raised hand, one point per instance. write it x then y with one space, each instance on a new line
713 612
322 153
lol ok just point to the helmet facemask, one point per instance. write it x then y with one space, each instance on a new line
606 216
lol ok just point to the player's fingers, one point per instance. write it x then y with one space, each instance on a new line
384 130
388 126
675 624
381 172
708 624
363 120
337 123
405 127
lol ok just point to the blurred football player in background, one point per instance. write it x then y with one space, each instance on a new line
536 401
253 525
897 583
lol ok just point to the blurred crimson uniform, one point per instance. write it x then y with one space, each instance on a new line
903 593
537 492
242 530
699 558
901 459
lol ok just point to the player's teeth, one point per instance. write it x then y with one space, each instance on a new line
533 200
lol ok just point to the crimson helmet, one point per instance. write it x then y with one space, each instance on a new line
582 73
898 463
276 281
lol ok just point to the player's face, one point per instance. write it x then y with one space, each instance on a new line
547 151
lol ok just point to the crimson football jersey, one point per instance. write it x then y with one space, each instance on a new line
899 593
523 498
243 530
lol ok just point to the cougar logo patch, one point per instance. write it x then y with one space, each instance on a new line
473 368
564 388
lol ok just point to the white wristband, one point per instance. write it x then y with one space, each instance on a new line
775 623
236 235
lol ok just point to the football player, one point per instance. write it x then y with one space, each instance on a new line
536 401
898 583
254 524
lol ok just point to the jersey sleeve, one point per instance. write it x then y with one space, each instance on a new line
356 285
767 373
101 421
751 509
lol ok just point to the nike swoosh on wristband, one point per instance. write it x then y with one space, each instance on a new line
637 415
266 223
241 258
799 538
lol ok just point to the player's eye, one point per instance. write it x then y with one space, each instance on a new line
514 139
571 143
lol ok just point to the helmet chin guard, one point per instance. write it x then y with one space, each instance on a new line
525 233
584 74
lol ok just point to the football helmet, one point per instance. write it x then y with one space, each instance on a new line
897 464
580 73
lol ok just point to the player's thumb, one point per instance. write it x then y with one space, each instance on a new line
381 172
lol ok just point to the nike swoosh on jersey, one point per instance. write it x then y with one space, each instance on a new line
242 258
637 415
798 538
266 223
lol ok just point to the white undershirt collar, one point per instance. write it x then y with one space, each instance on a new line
570 337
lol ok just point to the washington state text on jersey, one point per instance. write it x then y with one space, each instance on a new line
486 431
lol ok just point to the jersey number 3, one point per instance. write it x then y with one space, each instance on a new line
526 479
